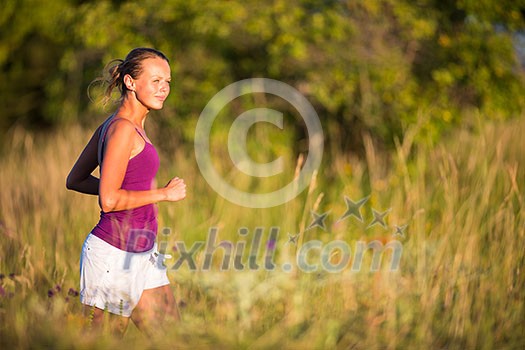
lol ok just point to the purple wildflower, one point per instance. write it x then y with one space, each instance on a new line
72 292
271 244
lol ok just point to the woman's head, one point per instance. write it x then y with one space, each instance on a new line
132 66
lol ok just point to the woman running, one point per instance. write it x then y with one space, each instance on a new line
121 271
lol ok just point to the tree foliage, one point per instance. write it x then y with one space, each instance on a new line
376 66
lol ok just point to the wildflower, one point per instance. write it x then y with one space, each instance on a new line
12 275
2 291
271 244
57 288
50 293
72 292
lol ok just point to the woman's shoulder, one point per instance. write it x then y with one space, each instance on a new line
121 126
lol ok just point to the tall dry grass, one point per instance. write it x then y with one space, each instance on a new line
460 283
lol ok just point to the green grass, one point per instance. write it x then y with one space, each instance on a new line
460 283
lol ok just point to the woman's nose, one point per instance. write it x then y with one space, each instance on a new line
165 87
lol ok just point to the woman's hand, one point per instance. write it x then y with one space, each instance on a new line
175 190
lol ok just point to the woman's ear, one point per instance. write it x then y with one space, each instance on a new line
129 82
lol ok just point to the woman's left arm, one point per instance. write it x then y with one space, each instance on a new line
80 178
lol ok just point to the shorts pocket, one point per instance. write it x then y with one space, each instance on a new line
97 256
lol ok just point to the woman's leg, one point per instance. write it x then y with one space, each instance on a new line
102 320
156 307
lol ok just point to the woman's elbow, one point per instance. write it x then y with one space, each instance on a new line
70 183
107 203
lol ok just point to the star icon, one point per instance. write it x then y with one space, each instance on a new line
353 208
318 220
379 218
292 239
400 231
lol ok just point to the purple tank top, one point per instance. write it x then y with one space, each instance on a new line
133 230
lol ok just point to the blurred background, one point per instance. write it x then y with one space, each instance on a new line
367 66
421 104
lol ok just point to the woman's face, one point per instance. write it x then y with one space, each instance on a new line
152 86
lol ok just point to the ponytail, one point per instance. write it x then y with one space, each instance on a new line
114 79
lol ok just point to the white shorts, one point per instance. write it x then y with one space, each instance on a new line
112 279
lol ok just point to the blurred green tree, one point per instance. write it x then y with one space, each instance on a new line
373 66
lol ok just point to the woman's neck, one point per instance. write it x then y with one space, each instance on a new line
136 113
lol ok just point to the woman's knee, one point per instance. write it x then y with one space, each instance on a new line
102 320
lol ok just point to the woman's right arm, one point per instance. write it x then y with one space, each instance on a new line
112 197
80 178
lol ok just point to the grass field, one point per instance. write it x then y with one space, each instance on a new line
460 282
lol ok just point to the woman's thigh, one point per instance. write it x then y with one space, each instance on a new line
156 307
101 320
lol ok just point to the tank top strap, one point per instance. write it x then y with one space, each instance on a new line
102 137
144 138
